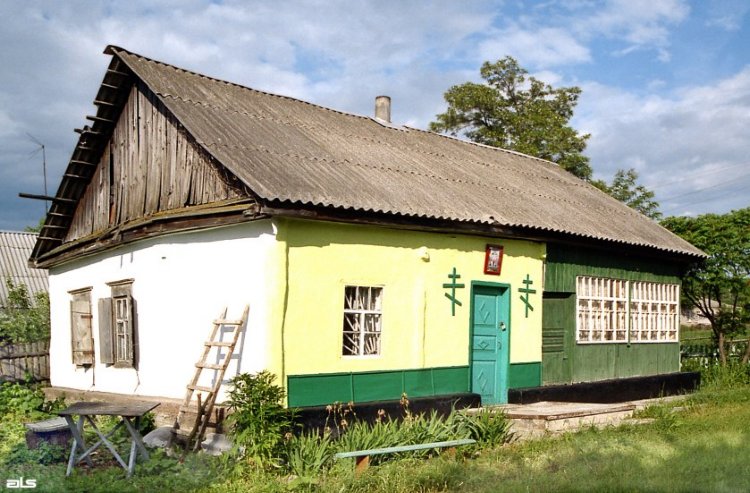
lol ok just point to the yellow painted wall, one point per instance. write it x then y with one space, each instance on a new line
417 327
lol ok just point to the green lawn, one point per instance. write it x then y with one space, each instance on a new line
703 447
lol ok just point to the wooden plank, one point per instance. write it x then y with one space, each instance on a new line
405 448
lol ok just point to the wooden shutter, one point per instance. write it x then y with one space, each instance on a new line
106 346
80 329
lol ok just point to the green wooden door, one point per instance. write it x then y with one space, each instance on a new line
490 348
558 319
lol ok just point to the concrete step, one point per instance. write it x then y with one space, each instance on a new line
544 418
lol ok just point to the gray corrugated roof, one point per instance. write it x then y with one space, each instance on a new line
290 151
15 249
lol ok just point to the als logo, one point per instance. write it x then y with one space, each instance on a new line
20 483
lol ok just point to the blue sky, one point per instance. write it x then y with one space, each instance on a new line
666 83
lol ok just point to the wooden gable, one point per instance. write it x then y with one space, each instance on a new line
150 165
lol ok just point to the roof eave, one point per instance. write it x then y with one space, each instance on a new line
452 226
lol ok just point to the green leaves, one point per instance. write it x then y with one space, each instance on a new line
23 320
514 111
719 287
625 188
258 420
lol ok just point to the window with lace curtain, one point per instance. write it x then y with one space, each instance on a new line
363 315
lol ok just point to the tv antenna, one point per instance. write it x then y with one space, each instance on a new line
41 147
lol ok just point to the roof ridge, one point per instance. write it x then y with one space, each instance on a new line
113 49
487 146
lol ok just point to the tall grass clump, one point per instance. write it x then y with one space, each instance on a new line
732 375
489 428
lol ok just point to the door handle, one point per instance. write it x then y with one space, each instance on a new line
502 326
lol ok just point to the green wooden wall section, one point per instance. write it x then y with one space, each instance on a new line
327 388
564 361
565 263
323 389
525 375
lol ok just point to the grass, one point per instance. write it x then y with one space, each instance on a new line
691 332
702 447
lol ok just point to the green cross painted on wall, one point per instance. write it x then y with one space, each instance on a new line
453 285
526 290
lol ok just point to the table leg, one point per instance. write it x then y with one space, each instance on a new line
136 443
77 431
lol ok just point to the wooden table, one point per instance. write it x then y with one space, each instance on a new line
130 415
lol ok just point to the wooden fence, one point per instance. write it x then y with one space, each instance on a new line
704 350
24 360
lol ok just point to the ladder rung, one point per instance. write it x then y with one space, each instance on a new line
228 322
200 387
210 366
217 343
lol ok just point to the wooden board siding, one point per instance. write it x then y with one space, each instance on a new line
150 165
327 388
565 361
523 375
565 263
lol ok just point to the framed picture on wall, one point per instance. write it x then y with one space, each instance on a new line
493 259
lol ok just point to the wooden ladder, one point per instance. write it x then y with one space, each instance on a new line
205 406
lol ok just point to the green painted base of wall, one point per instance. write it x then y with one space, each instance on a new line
524 375
327 388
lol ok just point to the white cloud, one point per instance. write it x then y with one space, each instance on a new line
542 47
640 24
689 147
727 14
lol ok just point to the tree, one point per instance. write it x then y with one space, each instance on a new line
720 287
624 188
24 320
513 111
37 228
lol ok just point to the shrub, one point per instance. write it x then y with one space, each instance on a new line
258 422
25 399
24 320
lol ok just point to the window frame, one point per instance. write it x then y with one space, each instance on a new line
120 342
625 312
363 315
669 318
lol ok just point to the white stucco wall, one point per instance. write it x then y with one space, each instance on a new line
181 283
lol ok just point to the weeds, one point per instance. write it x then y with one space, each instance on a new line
259 423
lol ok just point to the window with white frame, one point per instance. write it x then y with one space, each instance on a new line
654 312
602 309
616 310
363 315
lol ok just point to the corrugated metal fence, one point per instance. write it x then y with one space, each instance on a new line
28 359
